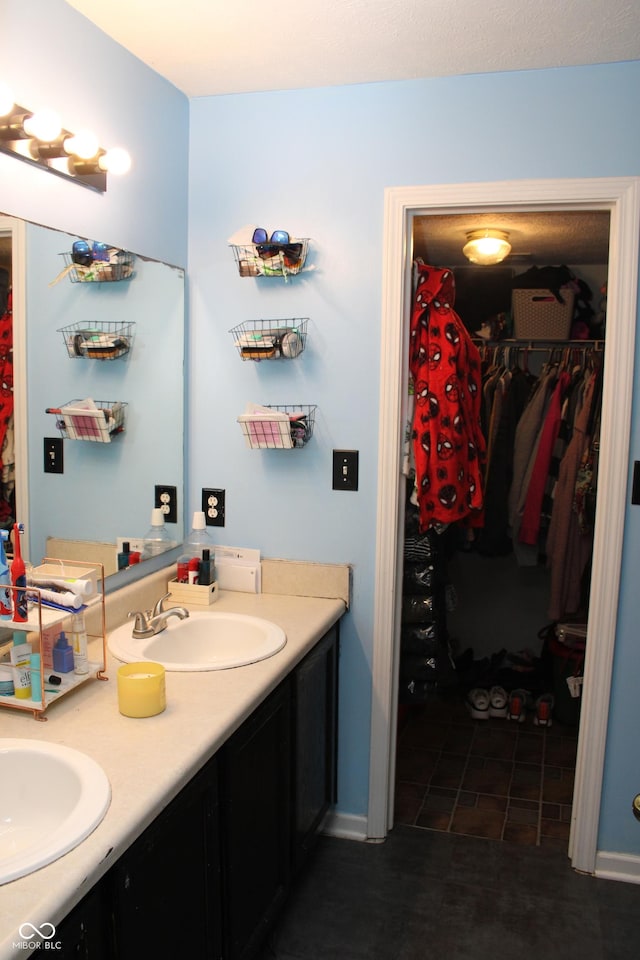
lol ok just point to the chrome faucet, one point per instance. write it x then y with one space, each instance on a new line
148 623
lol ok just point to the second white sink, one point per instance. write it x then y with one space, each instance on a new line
210 640
51 798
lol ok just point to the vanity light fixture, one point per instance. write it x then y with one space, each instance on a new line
487 246
39 138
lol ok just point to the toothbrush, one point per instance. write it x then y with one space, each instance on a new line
18 578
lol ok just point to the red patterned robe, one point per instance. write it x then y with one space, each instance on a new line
449 447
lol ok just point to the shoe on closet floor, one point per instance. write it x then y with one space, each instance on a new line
518 701
478 703
498 702
544 709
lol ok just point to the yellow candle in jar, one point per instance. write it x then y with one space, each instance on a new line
141 689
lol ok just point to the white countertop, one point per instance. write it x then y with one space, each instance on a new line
148 760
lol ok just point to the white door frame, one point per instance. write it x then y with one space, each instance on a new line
621 196
16 229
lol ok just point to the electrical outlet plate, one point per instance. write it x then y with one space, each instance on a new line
167 499
213 506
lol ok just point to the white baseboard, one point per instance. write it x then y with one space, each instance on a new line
345 826
618 866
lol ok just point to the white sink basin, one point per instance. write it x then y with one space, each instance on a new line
51 798
204 641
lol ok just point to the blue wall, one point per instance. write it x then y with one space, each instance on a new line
316 162
106 490
52 56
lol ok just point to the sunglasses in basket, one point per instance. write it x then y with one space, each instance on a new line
279 242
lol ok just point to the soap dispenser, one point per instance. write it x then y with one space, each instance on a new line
62 655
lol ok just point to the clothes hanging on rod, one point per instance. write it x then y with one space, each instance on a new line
549 470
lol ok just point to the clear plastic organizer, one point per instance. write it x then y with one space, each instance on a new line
270 260
118 267
278 427
270 339
100 340
98 421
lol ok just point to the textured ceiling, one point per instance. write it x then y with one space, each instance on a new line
575 237
208 47
211 47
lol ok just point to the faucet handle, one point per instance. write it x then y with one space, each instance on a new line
142 620
159 607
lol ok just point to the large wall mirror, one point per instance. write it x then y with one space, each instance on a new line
106 492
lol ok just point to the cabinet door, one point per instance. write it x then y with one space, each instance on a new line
256 824
166 887
85 933
315 736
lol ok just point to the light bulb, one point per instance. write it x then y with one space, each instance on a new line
116 160
44 125
83 144
487 246
7 102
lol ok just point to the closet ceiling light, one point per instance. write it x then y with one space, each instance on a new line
38 138
487 246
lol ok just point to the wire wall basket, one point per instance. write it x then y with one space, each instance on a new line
270 339
101 340
119 266
269 259
99 421
278 427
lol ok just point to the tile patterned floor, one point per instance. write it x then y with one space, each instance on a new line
484 778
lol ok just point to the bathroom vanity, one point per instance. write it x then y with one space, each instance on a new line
215 802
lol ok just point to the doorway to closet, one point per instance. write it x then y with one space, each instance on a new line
478 599
620 197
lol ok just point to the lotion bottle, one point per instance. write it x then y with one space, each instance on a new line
36 681
63 655
79 644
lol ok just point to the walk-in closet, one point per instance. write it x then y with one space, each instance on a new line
498 527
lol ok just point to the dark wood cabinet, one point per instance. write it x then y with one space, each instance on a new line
314 686
166 888
210 875
255 804
86 932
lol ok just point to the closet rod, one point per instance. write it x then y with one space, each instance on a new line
541 344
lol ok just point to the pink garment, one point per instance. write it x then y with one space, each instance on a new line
530 525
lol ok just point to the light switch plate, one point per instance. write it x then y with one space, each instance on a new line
345 469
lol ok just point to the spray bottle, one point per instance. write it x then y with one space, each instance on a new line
18 578
5 580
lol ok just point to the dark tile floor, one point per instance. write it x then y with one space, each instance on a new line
426 895
492 778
